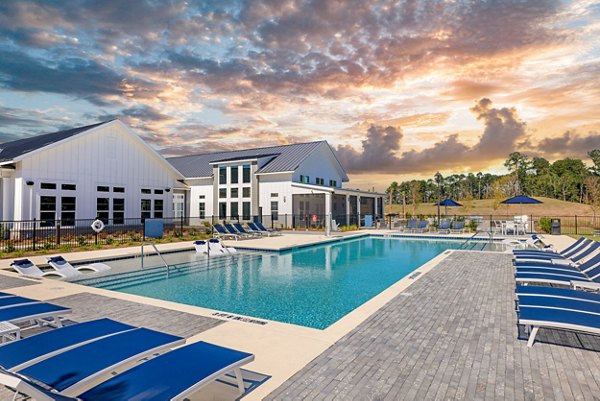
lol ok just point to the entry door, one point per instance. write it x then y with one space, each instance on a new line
178 205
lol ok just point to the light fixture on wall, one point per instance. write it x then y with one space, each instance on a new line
29 182
167 190
284 199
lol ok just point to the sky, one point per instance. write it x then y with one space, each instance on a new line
400 89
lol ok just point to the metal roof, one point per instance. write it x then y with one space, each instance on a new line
11 150
284 158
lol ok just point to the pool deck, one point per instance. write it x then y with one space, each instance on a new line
381 326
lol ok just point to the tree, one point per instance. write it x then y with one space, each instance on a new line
518 164
415 195
393 191
592 189
595 156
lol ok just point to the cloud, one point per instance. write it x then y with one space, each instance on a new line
575 144
378 151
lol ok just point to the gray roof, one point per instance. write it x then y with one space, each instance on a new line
11 150
284 158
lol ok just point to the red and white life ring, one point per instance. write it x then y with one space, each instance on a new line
97 225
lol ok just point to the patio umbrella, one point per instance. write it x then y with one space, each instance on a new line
521 199
446 203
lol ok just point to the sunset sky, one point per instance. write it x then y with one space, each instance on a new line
399 88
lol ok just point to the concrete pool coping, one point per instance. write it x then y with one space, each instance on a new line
281 349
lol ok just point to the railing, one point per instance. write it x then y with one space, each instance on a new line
157 252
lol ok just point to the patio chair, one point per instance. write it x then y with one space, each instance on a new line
222 233
421 226
201 246
243 231
9 302
560 319
215 247
559 267
590 276
411 225
40 313
171 376
444 227
70 371
558 292
578 257
20 354
579 244
232 230
59 264
458 227
27 268
264 229
334 225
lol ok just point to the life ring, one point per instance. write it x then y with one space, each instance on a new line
97 225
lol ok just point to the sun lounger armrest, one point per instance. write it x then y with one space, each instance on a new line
585 285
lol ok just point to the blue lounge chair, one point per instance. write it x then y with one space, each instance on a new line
243 231
421 226
558 268
17 355
265 230
253 228
231 230
558 292
581 252
576 258
568 249
560 319
560 278
70 371
444 226
174 375
9 302
458 227
530 301
222 233
39 312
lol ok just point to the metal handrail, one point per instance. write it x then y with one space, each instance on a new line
467 240
157 251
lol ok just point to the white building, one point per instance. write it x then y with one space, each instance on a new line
102 170
106 171
288 186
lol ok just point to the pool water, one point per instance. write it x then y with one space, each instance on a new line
312 287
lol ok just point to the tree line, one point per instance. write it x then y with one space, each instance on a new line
566 179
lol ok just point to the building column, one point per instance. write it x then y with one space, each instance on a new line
347 210
328 200
358 210
376 206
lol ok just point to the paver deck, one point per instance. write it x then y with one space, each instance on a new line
451 335
13 282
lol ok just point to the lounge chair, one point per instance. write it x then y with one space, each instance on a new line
222 233
243 231
444 227
573 261
232 230
215 248
577 305
29 269
458 227
561 319
421 226
171 376
411 225
545 291
265 230
576 244
70 371
35 312
566 254
559 267
9 302
18 355
59 264
334 225
560 277
253 228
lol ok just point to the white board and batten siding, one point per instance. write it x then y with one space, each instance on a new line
109 155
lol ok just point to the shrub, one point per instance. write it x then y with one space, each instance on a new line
546 224
472 225
81 240
9 247
48 246
109 240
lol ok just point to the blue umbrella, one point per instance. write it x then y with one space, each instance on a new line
521 199
446 203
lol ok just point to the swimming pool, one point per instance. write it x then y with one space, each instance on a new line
313 286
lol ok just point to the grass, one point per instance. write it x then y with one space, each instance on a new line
549 207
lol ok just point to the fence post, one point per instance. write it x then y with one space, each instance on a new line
576 228
58 233
34 233
182 224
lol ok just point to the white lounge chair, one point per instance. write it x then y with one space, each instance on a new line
216 248
29 269
59 264
201 247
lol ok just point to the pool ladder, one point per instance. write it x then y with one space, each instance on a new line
157 252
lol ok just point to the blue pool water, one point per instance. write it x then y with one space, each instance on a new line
311 287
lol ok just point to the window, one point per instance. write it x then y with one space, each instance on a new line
274 195
146 191
235 192
246 192
118 211
158 192
178 205
274 210
119 189
102 209
102 188
202 210
146 208
320 181
234 174
234 210
48 185
222 175
67 210
158 208
246 210
246 173
202 197
332 183
68 187
223 193
222 210
305 179
47 210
